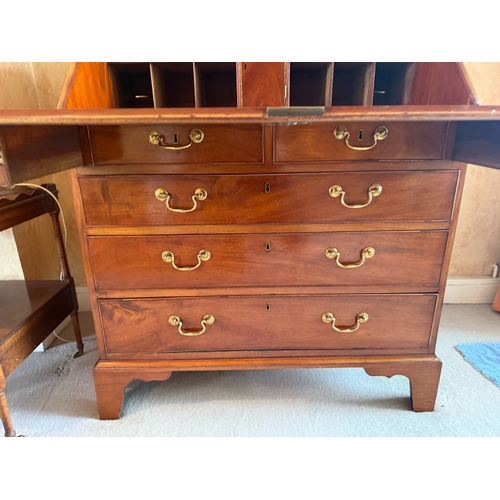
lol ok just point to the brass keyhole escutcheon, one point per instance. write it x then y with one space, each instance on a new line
342 133
195 136
267 189
268 246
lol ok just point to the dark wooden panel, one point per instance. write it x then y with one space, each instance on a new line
442 83
30 152
24 206
263 84
401 258
295 198
478 143
317 142
29 312
221 144
267 322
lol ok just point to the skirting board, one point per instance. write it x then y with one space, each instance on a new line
471 290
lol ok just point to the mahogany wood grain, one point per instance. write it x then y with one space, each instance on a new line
145 293
424 380
112 376
110 385
221 144
239 199
263 84
86 261
268 167
442 83
198 116
33 152
88 87
27 206
4 408
316 142
267 322
29 312
401 258
448 255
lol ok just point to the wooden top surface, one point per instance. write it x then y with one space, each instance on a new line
245 115
19 300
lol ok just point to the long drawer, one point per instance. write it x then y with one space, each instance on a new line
300 259
280 198
328 142
116 145
155 326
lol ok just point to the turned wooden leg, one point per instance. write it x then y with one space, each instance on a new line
4 409
78 333
110 385
423 376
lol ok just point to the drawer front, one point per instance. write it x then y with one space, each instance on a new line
268 322
381 258
253 199
318 142
114 145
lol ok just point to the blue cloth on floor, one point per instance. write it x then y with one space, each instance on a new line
485 357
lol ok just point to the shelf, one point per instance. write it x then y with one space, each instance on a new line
394 83
188 85
215 85
311 84
131 84
173 85
353 84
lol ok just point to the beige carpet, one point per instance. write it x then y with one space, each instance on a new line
52 394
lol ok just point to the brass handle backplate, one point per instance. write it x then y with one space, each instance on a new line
373 191
195 136
163 195
168 256
208 319
333 253
341 132
330 318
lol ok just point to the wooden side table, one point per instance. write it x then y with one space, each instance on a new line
31 310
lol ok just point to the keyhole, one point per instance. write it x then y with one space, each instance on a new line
268 307
176 139
268 246
268 187
244 66
360 135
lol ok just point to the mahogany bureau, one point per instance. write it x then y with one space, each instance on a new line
267 238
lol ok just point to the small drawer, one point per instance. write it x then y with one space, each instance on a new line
138 327
335 141
257 199
116 145
302 259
